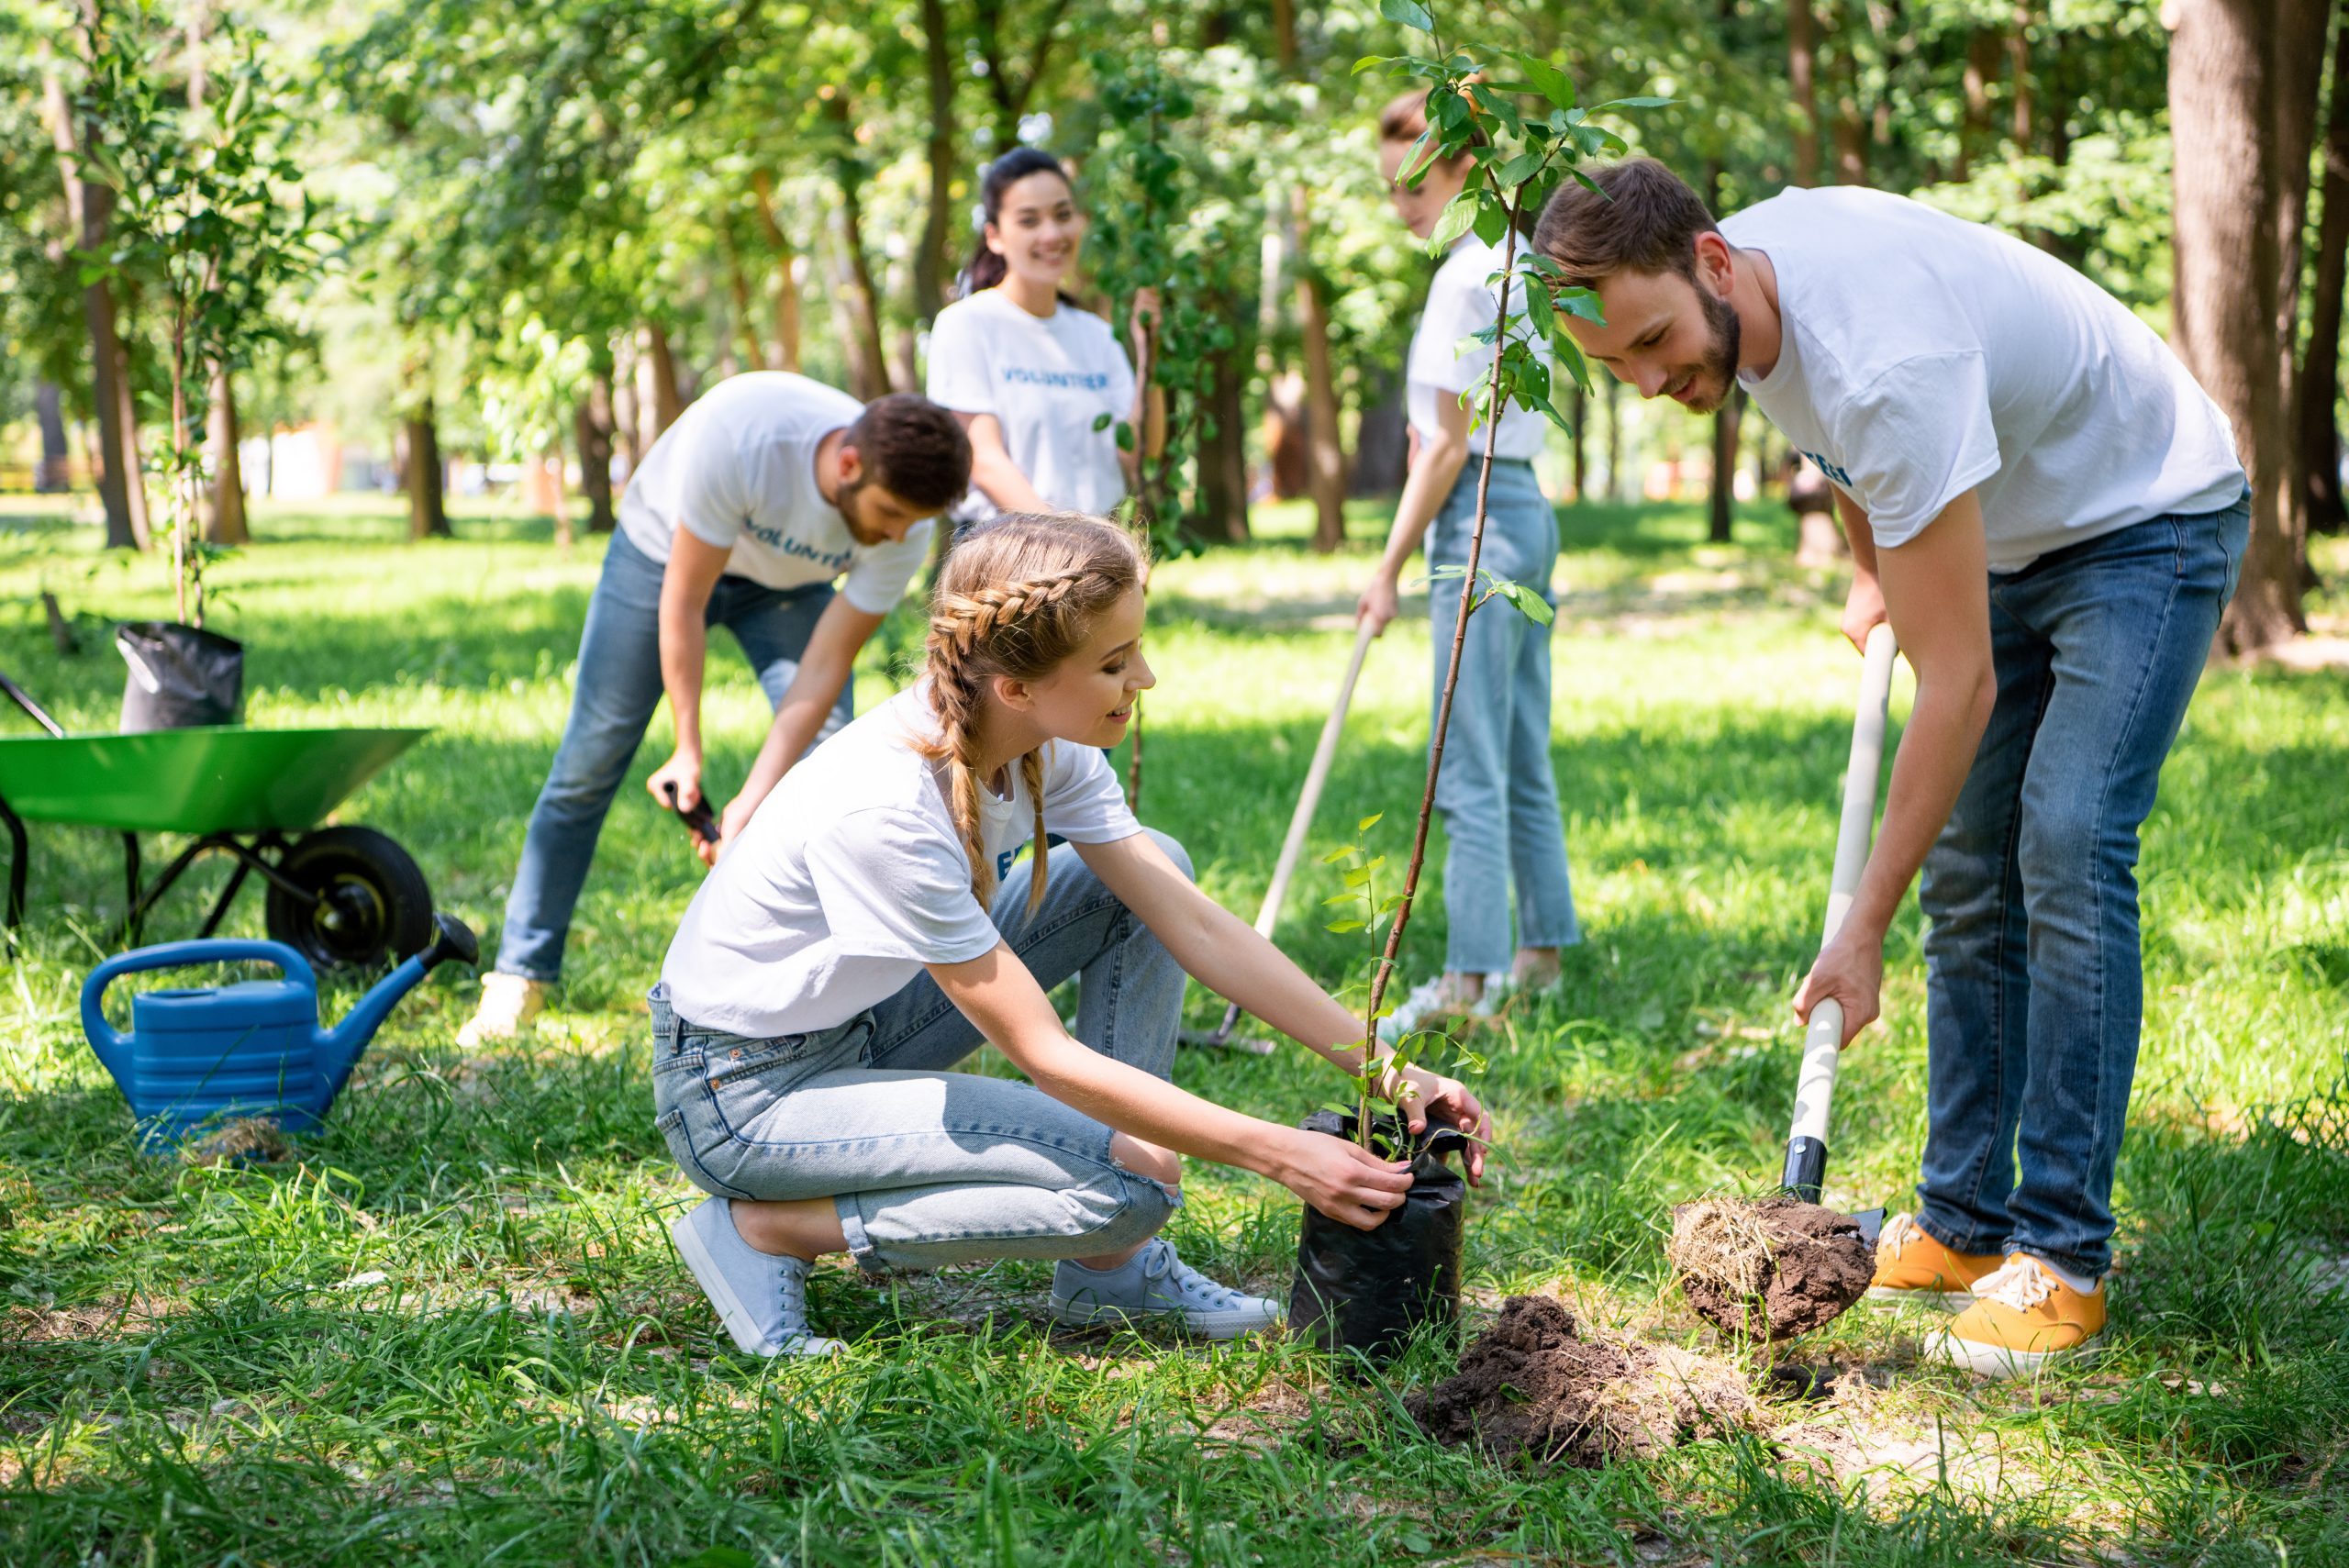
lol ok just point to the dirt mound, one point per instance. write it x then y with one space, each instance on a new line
1535 1389
1768 1268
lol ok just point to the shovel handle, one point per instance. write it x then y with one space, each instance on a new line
1301 820
1822 1042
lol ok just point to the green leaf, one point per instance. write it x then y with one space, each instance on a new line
1125 437
1492 222
1521 167
1367 823
1458 216
1369 61
1342 926
1409 13
1548 80
1101 421
1580 302
1341 852
1630 104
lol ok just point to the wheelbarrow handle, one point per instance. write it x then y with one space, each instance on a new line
698 817
177 955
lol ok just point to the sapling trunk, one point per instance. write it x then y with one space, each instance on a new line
1459 641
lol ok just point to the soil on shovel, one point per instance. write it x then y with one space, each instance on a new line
1537 1390
1768 1268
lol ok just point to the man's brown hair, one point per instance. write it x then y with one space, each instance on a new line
913 448
1642 218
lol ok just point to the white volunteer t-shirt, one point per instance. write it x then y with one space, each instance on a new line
851 877
1461 302
1047 380
739 470
1924 356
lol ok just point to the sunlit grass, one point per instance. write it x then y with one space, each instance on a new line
197 1364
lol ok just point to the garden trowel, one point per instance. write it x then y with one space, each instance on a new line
1822 1042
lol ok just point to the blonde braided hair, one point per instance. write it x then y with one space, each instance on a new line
1019 595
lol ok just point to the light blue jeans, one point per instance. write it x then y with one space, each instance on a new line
613 696
1497 794
2034 987
926 1165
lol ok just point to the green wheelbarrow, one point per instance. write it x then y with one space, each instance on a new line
341 897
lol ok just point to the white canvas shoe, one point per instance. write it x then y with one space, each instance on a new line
1154 1282
760 1298
508 1002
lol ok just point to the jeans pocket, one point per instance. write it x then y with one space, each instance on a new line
674 1131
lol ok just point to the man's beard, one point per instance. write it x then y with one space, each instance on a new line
1721 350
846 503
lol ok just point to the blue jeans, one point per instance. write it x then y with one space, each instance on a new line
1497 794
613 696
2034 986
926 1165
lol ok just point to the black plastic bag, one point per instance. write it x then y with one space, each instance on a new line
181 677
1371 1290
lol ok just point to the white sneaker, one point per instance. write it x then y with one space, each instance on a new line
760 1298
508 1002
1155 1283
1430 998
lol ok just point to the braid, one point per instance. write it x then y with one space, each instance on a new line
1015 597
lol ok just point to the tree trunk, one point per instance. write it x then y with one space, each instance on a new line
55 473
868 365
1384 435
427 514
1222 453
2319 378
1724 508
1325 453
1802 65
739 289
591 421
2229 184
1974 131
658 401
1578 416
224 522
932 269
122 488
2019 67
1614 439
786 276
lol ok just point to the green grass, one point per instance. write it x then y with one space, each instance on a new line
196 1367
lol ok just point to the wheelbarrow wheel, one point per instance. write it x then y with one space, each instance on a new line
368 904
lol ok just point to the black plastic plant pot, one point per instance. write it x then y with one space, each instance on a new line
1370 1291
181 677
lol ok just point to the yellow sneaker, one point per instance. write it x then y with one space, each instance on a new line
2022 1319
508 1002
1913 1266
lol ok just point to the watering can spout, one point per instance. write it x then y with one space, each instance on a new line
338 1048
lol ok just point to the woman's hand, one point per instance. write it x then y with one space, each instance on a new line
1379 605
1850 972
1423 1093
1342 1178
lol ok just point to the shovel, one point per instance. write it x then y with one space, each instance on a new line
1822 1042
1268 914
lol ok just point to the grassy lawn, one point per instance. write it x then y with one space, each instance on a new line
451 1329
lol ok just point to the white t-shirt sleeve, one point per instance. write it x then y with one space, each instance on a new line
892 887
710 499
1083 802
1915 438
877 573
1459 304
959 378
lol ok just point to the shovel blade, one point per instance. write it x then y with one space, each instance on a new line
1871 1224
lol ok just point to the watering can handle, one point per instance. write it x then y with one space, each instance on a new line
176 955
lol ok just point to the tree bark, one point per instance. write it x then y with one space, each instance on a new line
739 290
1614 439
1222 453
1325 454
1722 511
658 400
2019 67
2229 184
786 276
591 421
122 488
868 368
932 268
1802 65
2320 377
1578 416
428 512
55 473
1384 435
224 521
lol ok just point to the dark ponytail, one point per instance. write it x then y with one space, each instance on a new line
987 268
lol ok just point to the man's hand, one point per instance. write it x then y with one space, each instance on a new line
1379 605
1862 608
1850 972
683 769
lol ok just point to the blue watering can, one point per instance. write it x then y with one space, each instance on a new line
254 1049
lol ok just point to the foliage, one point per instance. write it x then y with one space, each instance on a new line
209 200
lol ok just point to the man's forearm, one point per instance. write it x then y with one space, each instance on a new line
1936 753
684 644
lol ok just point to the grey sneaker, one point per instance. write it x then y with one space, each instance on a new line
762 1299
1155 1283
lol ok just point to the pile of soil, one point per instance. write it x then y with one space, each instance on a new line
1768 1268
1537 1390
